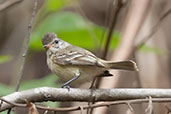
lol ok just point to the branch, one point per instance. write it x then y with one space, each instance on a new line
135 18
132 25
24 50
8 4
83 95
116 7
74 108
25 46
153 30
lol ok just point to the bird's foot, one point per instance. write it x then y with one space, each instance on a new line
66 86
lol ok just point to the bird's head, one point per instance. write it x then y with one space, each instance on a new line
51 42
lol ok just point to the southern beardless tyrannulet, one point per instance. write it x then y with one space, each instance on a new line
75 64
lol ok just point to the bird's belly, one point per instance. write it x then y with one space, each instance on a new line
65 73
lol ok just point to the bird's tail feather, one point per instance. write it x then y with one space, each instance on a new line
123 65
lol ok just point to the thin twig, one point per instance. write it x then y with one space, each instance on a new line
13 103
135 101
46 111
130 108
116 8
82 95
8 4
168 109
109 109
81 109
111 24
149 109
25 49
75 108
153 30
133 22
25 46
106 21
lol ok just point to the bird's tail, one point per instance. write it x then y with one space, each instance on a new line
122 65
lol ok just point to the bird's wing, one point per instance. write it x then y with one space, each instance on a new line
76 56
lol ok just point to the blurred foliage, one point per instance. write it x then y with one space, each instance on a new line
5 58
72 28
151 49
4 89
49 81
53 5
6 112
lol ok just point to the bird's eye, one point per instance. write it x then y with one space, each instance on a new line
56 41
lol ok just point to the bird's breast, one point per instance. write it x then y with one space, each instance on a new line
67 72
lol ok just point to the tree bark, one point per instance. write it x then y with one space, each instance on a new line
82 95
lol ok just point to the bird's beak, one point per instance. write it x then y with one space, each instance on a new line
48 46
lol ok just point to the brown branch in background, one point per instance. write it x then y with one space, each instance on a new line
25 46
117 4
137 13
8 3
135 18
106 21
153 30
24 50
112 22
103 104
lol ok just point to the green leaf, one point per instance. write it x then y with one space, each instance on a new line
5 58
70 27
53 5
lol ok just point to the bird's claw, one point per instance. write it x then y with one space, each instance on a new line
66 86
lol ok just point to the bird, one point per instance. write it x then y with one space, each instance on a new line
75 65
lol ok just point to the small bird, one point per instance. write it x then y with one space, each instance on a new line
75 64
